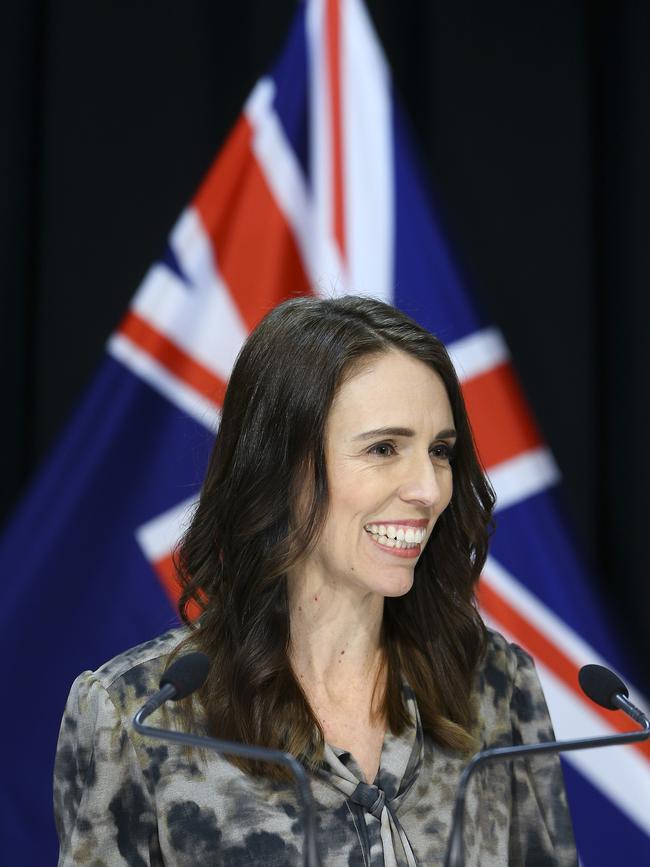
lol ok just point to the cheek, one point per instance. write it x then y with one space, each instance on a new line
447 489
352 500
343 503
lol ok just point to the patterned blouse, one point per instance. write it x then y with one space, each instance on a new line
123 799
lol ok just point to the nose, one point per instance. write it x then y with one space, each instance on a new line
422 483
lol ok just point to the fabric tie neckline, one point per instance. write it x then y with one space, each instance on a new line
371 798
375 807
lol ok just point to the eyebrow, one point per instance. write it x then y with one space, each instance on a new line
449 433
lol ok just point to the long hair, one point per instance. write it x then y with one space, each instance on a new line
246 535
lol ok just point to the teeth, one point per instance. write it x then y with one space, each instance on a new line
387 542
408 535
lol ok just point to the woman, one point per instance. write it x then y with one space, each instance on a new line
334 552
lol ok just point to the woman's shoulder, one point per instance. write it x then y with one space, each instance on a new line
103 770
133 675
503 658
148 655
504 676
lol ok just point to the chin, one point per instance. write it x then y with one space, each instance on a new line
393 589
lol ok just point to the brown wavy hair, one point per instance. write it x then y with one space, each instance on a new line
245 536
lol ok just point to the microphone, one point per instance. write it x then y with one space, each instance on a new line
600 685
182 678
605 688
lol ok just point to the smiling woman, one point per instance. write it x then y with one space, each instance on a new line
334 552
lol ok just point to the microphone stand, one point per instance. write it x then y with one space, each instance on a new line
311 854
455 850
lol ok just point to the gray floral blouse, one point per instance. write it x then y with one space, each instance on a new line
123 799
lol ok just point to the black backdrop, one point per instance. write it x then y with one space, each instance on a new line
533 121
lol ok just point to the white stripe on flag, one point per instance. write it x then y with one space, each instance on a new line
158 377
200 319
158 537
209 328
523 476
328 270
279 165
368 156
478 353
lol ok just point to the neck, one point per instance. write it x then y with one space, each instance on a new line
335 637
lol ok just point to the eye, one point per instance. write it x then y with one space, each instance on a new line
382 450
442 452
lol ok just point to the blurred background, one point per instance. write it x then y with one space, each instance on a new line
533 123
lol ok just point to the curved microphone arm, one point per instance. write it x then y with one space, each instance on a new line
312 857
455 849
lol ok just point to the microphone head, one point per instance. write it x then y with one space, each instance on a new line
186 674
601 685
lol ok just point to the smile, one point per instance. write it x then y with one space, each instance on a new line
400 541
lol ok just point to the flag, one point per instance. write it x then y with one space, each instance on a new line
316 190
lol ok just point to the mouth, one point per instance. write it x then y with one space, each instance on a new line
398 539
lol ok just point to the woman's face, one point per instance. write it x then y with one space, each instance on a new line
389 438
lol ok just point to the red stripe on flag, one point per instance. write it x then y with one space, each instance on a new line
173 358
501 421
255 250
333 36
541 648
166 571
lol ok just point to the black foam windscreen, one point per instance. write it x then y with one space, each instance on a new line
186 674
600 685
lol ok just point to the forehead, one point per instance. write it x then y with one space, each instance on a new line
392 389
